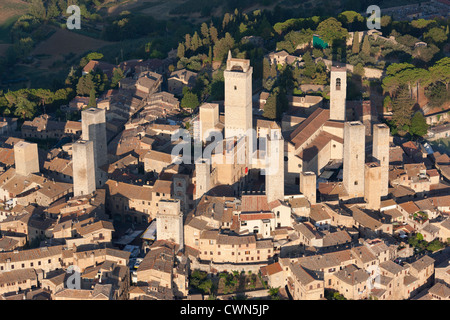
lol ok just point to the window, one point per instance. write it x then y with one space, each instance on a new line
338 84
235 87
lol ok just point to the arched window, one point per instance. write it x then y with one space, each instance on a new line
338 84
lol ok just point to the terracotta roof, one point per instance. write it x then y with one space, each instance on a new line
271 269
309 126
129 191
254 203
409 207
255 216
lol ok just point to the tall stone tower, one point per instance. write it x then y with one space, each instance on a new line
381 153
169 222
83 167
238 98
202 177
338 93
308 186
372 185
274 171
209 118
26 158
354 158
93 122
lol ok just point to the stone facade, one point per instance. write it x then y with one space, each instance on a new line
83 167
26 158
308 186
94 129
238 97
354 156
169 222
372 185
338 93
275 171
381 153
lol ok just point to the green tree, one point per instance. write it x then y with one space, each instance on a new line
25 108
435 35
331 30
355 46
195 42
402 106
187 41
271 108
189 100
85 85
180 50
213 33
310 66
440 71
92 99
419 126
366 46
204 30
37 9
117 76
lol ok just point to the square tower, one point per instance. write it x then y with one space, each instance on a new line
169 222
209 118
93 123
26 158
238 98
308 186
83 167
354 158
274 171
381 153
372 186
338 93
202 177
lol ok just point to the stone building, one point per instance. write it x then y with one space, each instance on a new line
372 185
94 129
238 98
338 93
169 222
274 171
26 158
380 151
308 186
354 157
83 167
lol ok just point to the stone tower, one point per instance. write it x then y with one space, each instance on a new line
308 186
94 129
83 167
274 172
209 118
381 153
354 158
180 186
202 177
238 98
372 185
26 158
338 93
169 222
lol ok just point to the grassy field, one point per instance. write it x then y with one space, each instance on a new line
63 43
10 11
11 8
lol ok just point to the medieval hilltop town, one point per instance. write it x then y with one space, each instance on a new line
345 209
